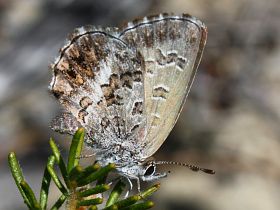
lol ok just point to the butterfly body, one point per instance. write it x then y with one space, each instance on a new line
127 86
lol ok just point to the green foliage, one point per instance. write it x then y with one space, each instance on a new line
75 183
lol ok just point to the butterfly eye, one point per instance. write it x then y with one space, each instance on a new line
150 170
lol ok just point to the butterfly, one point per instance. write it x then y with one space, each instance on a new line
127 86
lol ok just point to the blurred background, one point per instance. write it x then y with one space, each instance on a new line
230 122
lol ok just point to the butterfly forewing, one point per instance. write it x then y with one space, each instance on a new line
99 81
172 48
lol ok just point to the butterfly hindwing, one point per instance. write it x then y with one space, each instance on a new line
172 48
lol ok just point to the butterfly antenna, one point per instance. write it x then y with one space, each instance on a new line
192 167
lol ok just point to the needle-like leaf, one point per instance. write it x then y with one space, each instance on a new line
96 175
90 202
60 161
75 172
92 208
17 174
30 195
127 202
115 193
46 184
75 149
56 180
149 191
95 190
88 171
140 206
59 202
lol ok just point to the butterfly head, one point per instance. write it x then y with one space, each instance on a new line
149 172
146 171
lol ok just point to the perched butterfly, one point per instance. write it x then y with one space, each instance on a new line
127 86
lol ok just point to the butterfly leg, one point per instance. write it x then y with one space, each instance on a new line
131 176
111 182
128 181
130 187
138 185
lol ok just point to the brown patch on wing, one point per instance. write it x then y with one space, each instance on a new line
81 59
160 92
104 123
149 36
85 102
160 58
138 108
171 57
161 31
109 90
126 79
119 124
174 31
82 114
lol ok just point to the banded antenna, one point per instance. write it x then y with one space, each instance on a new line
192 167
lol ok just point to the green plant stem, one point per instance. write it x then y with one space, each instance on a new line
78 191
72 200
